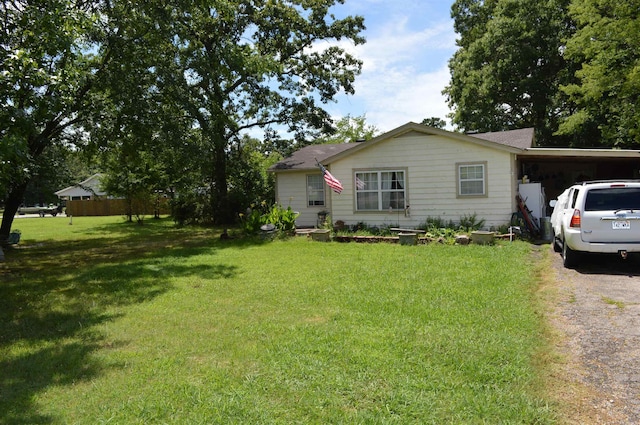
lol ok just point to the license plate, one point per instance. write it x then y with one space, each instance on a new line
621 225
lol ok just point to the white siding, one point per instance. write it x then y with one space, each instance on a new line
430 163
291 190
79 190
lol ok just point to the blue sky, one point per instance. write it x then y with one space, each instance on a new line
409 43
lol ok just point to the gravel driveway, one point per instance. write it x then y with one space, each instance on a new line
598 313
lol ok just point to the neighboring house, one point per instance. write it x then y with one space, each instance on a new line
415 172
87 189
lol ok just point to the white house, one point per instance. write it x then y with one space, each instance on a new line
403 177
86 189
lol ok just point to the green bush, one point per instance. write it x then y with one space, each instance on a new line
439 228
284 219
191 208
363 229
471 222
437 223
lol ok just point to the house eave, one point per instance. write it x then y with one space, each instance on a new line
420 128
326 154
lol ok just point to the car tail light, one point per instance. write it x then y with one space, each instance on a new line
575 219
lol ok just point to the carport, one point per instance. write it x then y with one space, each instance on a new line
559 168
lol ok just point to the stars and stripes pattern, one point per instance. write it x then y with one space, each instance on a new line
331 181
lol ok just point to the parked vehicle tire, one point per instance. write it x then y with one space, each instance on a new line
570 257
556 245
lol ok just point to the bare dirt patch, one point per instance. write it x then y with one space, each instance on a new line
594 313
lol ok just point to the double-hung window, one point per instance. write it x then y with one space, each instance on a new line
315 190
380 190
472 179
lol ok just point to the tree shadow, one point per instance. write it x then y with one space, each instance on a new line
27 374
54 297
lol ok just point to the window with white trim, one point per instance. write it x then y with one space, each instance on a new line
315 190
472 179
380 190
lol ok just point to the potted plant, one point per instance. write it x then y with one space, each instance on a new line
14 237
322 218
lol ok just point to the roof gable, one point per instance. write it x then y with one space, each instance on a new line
411 129
514 141
84 187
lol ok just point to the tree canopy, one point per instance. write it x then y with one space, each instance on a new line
349 129
434 122
568 68
192 77
49 65
243 65
508 68
606 95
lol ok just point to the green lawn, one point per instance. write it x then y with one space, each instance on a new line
104 321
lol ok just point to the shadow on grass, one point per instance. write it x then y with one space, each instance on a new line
55 295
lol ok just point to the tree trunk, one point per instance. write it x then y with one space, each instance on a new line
222 212
11 205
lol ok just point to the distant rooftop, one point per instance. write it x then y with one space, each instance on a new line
521 139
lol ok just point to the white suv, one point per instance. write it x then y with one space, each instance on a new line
602 216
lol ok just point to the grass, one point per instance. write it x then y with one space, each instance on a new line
104 321
610 301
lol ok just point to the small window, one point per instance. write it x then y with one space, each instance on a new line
380 190
315 190
472 179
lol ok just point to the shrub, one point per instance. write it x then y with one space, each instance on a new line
191 208
438 228
284 219
363 229
437 223
471 222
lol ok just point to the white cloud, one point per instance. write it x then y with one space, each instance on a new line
405 62
404 72
398 96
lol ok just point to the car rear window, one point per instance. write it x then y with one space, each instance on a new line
614 198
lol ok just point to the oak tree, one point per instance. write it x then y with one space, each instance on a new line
191 77
606 95
509 66
49 65
232 66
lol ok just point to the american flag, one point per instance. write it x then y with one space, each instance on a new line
360 184
333 182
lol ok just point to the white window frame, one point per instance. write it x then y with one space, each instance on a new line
379 191
481 178
318 191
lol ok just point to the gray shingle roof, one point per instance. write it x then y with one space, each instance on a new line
521 139
305 158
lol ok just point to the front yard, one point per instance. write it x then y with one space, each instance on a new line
103 321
